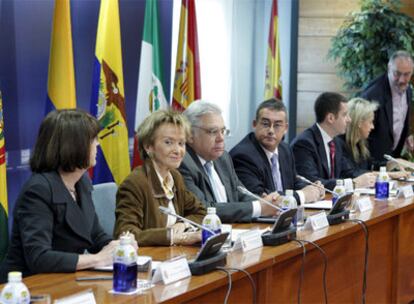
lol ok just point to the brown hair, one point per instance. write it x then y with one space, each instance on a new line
64 141
146 130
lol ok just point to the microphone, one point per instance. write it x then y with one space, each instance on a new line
168 212
315 184
247 192
405 165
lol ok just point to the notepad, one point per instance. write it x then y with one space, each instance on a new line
325 204
143 264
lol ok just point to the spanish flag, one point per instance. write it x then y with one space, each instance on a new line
187 83
61 78
4 235
273 85
108 99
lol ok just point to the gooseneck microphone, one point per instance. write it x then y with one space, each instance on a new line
247 192
168 212
316 185
404 165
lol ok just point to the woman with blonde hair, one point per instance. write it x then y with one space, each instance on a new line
356 152
162 137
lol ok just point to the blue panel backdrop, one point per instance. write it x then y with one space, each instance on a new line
25 31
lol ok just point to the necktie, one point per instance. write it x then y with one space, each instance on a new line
277 179
332 157
208 167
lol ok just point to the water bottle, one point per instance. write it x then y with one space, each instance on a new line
15 292
211 221
125 266
339 190
382 186
289 202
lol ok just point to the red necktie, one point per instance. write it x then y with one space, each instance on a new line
332 157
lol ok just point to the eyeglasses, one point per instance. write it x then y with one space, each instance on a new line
398 74
276 125
214 132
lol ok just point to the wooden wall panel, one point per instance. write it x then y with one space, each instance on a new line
319 20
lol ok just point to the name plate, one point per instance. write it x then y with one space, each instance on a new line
172 270
249 240
349 185
364 204
317 221
84 297
406 191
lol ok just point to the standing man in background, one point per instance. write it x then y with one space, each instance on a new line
263 162
208 169
393 93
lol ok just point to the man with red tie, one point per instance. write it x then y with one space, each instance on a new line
318 150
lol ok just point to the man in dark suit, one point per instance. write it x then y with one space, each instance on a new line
208 170
393 93
263 162
318 150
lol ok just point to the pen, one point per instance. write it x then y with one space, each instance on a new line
102 278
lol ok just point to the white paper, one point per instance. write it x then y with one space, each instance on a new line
325 204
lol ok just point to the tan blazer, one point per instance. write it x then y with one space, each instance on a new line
137 202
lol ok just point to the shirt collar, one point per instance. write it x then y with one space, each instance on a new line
269 154
325 136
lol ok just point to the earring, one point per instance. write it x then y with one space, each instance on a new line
150 154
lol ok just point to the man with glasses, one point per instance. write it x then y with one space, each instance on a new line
208 169
393 93
263 162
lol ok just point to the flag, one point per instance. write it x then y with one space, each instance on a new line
273 86
108 99
61 92
150 95
4 235
187 87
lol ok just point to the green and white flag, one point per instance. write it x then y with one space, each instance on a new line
150 95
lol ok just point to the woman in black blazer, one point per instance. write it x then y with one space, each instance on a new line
55 226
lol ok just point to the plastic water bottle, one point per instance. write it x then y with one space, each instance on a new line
15 292
339 190
211 221
125 266
289 202
382 185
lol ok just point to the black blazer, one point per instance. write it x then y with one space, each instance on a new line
349 162
254 171
311 160
50 229
381 139
238 207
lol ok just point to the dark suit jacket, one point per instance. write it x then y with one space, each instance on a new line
137 202
381 139
254 171
238 208
50 229
311 160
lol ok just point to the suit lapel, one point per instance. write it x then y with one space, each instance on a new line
388 105
224 178
265 160
321 149
78 217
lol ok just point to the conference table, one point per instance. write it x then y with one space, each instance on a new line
276 270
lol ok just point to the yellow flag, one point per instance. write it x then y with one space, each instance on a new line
108 99
3 190
61 78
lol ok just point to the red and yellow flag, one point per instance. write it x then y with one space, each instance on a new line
3 190
187 84
273 81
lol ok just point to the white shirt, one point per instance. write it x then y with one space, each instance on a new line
399 113
326 139
221 191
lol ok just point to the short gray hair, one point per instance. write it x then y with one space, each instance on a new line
399 54
200 108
